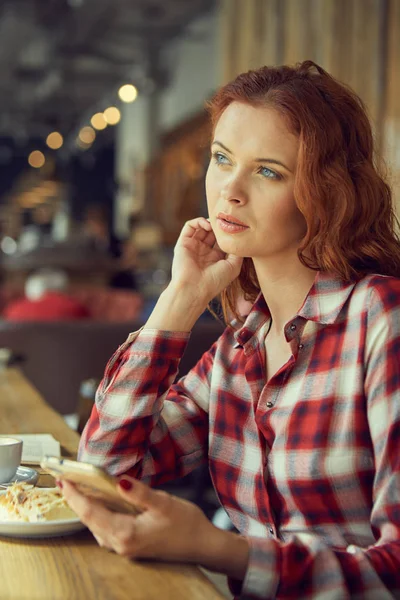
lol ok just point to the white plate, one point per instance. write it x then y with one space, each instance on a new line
39 530
23 475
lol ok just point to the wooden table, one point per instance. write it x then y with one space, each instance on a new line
74 567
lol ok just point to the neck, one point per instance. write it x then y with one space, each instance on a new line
284 285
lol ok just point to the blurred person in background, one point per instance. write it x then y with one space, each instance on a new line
296 408
125 276
37 229
46 299
123 254
97 230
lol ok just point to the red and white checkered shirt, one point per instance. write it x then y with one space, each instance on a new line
307 465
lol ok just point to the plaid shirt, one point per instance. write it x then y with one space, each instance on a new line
306 465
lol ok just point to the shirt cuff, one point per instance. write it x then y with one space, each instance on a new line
147 340
262 576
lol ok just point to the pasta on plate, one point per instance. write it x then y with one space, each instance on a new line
27 503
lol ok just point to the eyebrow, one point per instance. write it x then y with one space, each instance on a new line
260 160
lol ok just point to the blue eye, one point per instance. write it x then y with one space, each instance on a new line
220 158
265 172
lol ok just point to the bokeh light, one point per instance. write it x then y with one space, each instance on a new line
36 159
128 93
99 121
112 115
87 135
54 140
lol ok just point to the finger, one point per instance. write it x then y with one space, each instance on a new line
100 541
220 252
195 225
200 234
106 526
137 493
216 247
190 227
113 531
200 222
91 512
207 237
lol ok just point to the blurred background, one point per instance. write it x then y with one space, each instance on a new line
104 147
104 139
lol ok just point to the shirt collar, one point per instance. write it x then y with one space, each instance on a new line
322 304
326 298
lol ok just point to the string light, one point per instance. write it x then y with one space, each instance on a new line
36 159
99 121
87 135
128 93
112 115
54 140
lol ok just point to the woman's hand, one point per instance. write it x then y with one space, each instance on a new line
168 529
199 263
200 271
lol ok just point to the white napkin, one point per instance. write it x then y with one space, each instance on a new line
37 445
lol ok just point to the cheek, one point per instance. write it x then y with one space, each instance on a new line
302 223
296 220
292 211
211 187
285 214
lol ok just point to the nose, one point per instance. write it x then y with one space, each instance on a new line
234 190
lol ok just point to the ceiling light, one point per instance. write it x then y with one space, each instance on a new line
99 121
36 159
87 135
112 115
54 140
128 93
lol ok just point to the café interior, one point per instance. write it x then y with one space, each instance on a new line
104 145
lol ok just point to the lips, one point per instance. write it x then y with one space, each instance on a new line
230 219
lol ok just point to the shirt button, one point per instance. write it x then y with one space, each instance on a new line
293 327
301 346
270 404
271 531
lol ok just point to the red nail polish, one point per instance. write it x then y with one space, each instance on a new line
125 484
59 484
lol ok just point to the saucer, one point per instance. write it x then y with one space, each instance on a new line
23 475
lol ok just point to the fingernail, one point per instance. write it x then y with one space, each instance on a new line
125 484
59 484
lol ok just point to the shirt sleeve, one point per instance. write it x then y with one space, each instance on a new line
306 567
143 424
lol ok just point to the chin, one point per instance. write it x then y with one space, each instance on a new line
232 247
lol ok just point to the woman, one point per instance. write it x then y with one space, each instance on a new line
296 409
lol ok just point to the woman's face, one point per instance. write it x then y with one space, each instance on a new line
250 180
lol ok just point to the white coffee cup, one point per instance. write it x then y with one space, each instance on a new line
10 457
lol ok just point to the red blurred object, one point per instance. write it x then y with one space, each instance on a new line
99 304
53 306
109 304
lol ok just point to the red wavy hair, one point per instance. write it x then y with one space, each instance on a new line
339 188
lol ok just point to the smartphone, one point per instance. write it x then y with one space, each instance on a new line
90 481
